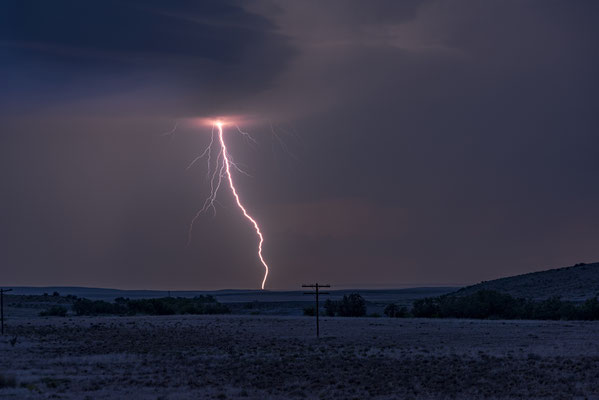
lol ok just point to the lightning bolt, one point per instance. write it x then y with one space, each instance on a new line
222 170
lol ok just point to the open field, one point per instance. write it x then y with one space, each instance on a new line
267 357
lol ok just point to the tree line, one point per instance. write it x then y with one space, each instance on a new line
490 304
484 304
159 306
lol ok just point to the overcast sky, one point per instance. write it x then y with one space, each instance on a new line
398 142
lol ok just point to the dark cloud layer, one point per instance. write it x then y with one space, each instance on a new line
168 55
417 142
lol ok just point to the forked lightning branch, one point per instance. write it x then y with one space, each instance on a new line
220 172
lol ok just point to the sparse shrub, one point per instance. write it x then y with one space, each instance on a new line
7 381
53 383
55 311
394 311
310 311
216 308
156 307
589 310
426 308
352 305
391 310
403 312
330 308
96 307
29 386
548 309
56 294
567 311
251 305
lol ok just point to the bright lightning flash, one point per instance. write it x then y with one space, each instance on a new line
222 170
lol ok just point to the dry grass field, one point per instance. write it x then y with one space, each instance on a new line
258 357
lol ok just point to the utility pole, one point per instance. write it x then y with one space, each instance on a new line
2 306
316 292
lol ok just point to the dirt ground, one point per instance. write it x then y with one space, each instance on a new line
258 357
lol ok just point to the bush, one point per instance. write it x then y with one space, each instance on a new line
330 308
216 308
426 308
394 311
548 309
353 305
310 311
96 307
589 310
55 311
390 310
7 381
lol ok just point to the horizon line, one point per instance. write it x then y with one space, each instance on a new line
333 287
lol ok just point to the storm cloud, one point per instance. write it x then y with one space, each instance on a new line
399 143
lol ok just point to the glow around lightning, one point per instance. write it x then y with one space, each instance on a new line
219 169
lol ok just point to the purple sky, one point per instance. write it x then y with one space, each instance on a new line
417 142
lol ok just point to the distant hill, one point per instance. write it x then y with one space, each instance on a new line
576 283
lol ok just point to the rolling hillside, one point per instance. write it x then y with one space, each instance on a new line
576 283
